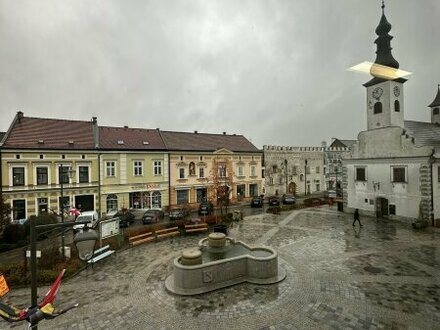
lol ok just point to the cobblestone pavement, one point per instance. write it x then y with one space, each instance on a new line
381 276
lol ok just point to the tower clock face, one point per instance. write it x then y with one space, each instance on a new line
396 91
377 93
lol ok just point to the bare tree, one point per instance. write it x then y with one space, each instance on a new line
222 180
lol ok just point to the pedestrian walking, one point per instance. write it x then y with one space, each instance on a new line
356 217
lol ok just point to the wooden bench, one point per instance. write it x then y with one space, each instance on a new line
101 253
142 238
168 232
197 228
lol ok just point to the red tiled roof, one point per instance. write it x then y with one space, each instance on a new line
44 133
127 138
206 142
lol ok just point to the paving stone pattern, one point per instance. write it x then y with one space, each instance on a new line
384 275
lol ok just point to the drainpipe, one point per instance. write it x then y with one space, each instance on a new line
169 181
99 185
432 161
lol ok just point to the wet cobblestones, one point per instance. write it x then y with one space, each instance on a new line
383 276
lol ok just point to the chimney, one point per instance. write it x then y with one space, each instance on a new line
323 144
95 129
224 133
195 132
125 126
20 115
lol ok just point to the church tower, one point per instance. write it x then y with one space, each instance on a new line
385 90
435 108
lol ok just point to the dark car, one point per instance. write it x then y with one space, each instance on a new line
274 201
126 218
152 216
256 201
288 199
179 213
206 208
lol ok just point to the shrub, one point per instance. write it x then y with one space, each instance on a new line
42 219
13 233
274 209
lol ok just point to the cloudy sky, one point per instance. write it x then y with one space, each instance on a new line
272 70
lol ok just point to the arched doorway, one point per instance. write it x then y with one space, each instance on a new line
292 188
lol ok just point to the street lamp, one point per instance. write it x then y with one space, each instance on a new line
70 174
85 243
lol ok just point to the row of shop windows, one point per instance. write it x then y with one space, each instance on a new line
81 202
137 200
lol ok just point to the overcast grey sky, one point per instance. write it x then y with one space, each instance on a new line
272 70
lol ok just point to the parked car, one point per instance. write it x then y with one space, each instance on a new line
126 218
288 199
329 194
256 201
152 216
206 208
179 213
274 201
90 216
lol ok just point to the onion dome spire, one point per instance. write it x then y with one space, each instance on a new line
383 43
436 101
386 64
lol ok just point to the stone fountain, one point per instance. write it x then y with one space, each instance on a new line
220 261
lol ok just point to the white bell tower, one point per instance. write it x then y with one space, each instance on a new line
385 106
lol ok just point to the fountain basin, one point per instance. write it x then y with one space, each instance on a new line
224 266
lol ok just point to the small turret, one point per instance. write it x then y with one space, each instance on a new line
435 108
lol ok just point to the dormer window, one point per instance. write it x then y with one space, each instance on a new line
120 142
40 141
378 107
146 143
435 111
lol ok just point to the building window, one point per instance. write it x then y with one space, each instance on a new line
253 171
361 174
307 169
399 174
378 107
438 174
317 169
41 156
42 175
63 174
112 203
396 106
435 111
318 187
19 209
240 171
157 167
138 168
182 197
201 172
274 168
181 173
17 156
392 209
83 174
18 176
110 168
222 171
